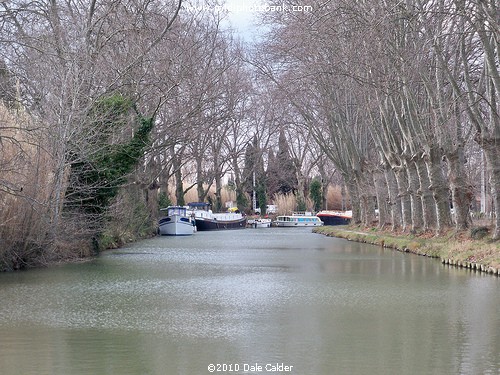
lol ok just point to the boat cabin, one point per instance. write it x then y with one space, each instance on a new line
175 211
200 206
298 219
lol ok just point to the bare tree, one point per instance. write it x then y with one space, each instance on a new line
66 56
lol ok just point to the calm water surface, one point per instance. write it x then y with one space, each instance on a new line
246 300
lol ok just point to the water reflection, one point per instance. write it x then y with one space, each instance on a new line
322 305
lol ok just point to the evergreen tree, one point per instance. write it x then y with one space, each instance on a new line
301 203
285 167
241 199
272 174
316 195
261 197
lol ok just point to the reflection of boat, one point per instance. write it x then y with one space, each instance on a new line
176 222
335 217
260 223
206 220
298 219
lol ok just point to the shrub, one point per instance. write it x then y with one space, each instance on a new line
478 233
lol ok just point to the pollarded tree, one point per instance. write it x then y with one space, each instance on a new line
468 58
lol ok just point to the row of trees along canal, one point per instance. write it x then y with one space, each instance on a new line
403 97
109 103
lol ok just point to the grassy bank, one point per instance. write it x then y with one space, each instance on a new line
456 249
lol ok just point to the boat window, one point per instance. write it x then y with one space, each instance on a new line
177 211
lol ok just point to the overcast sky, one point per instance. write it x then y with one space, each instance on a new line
242 20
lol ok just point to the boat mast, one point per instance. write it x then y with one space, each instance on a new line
254 199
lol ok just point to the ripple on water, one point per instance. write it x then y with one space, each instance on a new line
270 295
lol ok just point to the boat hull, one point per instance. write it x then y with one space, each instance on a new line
333 219
204 224
261 223
297 224
176 226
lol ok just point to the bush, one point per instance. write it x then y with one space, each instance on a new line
316 194
479 233
163 200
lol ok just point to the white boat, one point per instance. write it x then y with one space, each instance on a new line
298 219
177 222
260 223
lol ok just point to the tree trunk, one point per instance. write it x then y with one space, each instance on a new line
218 193
218 183
352 189
199 179
382 194
240 194
439 189
58 192
428 204
461 193
417 220
343 196
163 176
324 185
492 154
301 191
324 194
368 209
366 198
402 182
179 187
394 199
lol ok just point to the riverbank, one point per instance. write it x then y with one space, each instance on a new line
471 250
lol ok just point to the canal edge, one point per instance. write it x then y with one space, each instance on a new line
406 244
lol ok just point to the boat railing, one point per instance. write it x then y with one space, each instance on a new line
302 213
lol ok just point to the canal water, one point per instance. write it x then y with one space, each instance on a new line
258 301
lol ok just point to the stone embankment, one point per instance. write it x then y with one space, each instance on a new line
471 266
453 249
